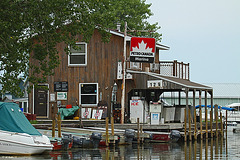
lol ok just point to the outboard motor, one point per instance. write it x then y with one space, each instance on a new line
96 137
78 141
129 135
66 139
175 135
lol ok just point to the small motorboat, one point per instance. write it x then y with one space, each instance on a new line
17 135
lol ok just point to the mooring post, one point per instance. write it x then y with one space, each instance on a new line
59 125
138 130
206 115
216 118
107 138
112 126
221 124
185 125
195 124
201 133
53 126
189 125
211 119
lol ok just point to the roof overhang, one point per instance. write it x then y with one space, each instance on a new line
183 83
128 38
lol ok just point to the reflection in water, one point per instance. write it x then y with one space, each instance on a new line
203 149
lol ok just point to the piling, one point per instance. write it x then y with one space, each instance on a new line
221 124
185 125
53 126
195 124
107 138
201 133
59 125
189 125
112 126
216 119
206 115
211 119
138 130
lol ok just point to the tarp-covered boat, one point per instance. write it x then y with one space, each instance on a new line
17 135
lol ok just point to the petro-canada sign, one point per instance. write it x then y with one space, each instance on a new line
142 49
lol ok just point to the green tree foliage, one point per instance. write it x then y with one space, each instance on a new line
36 26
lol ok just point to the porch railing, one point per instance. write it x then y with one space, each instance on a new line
167 68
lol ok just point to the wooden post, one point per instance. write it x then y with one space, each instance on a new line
200 114
221 124
138 130
226 123
107 138
195 117
216 118
206 115
53 126
112 125
59 125
201 134
195 124
211 119
189 125
185 125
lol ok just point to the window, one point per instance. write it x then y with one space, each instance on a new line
78 55
88 93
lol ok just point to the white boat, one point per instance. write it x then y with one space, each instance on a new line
17 135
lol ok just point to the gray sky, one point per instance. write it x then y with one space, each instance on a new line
204 33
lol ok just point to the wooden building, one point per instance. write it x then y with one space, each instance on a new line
87 76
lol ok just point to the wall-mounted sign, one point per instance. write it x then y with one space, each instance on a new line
155 84
61 95
60 86
52 97
142 49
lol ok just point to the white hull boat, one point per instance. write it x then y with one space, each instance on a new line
23 144
17 135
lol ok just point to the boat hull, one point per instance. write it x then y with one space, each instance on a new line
23 144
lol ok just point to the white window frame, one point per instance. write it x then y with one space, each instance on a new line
80 94
69 64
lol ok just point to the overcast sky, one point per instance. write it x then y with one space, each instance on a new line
204 33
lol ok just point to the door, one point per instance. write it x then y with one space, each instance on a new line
40 102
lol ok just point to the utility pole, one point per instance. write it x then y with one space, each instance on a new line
124 76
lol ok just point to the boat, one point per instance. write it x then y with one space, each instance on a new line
163 137
17 135
64 143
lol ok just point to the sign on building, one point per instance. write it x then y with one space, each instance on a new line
155 84
142 49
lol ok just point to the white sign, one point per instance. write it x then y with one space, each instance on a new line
120 73
155 84
61 95
52 97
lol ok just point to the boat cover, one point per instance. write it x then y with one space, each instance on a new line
66 112
225 108
13 120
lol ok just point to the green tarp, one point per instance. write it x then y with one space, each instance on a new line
66 112
13 120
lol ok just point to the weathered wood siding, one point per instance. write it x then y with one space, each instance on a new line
102 61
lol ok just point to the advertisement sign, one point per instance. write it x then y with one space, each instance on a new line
142 49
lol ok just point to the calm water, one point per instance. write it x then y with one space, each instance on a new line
212 149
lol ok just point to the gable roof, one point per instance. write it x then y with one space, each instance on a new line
128 38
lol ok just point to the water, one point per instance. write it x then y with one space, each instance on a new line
212 149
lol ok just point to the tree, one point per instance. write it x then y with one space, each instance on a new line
36 26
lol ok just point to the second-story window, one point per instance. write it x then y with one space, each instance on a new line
78 54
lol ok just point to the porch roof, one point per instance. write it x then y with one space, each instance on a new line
184 83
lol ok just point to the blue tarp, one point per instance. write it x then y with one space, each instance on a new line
13 120
225 108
